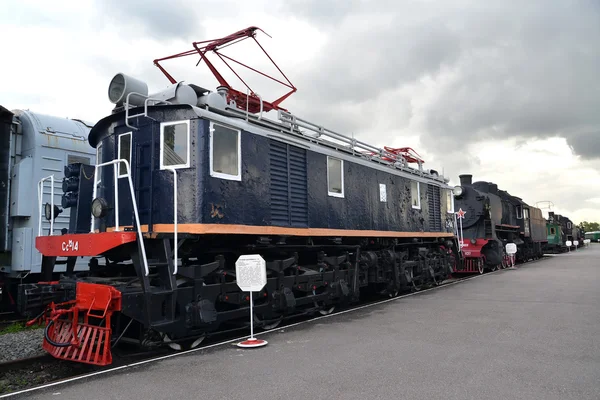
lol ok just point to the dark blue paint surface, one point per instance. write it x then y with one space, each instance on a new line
206 199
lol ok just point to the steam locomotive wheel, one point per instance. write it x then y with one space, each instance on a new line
480 266
324 309
183 345
267 324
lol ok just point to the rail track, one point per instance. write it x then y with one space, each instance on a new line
28 373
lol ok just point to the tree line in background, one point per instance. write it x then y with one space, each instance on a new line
589 226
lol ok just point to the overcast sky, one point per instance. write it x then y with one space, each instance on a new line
505 90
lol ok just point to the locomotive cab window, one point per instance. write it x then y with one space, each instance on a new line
335 177
175 145
124 152
415 194
449 202
225 152
552 231
519 212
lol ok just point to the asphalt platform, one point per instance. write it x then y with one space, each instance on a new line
526 333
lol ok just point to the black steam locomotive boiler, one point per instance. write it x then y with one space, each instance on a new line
492 218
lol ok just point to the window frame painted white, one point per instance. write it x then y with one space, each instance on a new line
221 175
162 145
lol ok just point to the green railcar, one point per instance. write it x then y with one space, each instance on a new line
593 236
554 235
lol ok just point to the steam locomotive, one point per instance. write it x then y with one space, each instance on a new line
562 230
493 218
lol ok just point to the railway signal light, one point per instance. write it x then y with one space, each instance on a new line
70 185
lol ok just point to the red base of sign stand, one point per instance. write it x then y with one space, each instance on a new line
252 343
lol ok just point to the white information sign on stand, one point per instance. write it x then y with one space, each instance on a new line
576 243
251 276
511 250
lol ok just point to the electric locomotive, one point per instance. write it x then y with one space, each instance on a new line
188 179
492 218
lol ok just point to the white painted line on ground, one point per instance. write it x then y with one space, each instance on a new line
80 377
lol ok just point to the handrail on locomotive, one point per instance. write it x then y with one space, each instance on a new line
115 164
40 187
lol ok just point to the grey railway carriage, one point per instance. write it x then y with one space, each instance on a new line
34 148
331 221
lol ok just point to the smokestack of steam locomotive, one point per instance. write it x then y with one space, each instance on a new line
466 180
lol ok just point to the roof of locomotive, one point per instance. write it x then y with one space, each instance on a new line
266 127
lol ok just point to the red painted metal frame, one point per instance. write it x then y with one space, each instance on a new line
82 244
472 256
241 99
471 250
89 340
409 154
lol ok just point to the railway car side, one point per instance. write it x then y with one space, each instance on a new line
34 148
593 236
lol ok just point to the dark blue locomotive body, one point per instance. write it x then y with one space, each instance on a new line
274 179
333 218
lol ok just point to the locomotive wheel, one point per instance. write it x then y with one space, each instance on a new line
272 324
327 311
183 345
480 266
324 309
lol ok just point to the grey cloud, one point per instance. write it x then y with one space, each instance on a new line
176 19
586 144
502 69
325 13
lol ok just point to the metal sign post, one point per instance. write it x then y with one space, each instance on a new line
461 214
569 245
511 250
251 276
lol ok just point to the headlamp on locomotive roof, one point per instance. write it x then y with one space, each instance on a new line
48 211
99 207
457 191
122 85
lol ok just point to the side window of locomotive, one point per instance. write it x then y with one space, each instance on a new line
569 226
124 152
526 213
449 201
552 231
335 177
175 145
225 148
519 212
415 194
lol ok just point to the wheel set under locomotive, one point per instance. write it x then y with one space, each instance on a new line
187 180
